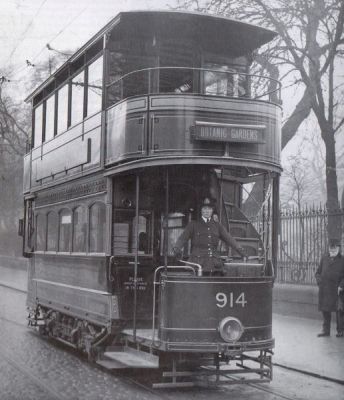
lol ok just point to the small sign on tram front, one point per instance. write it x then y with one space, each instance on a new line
229 132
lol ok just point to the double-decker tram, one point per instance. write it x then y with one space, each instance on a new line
156 112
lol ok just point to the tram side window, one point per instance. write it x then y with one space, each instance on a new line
175 227
78 85
223 80
97 228
62 113
40 232
124 229
65 230
52 226
79 229
172 78
50 118
94 87
38 126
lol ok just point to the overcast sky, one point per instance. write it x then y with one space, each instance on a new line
26 26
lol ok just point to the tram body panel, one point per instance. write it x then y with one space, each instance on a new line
124 287
192 309
169 128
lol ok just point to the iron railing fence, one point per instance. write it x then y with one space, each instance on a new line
302 241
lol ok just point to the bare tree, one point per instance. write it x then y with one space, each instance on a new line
14 126
14 133
308 50
299 183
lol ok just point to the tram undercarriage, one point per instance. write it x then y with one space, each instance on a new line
207 354
177 364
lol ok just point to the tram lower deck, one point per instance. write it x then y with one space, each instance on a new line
141 298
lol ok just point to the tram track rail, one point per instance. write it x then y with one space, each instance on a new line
19 366
224 389
145 385
9 286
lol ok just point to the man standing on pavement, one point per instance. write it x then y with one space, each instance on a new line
205 235
330 279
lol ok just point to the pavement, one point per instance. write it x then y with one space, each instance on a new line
297 346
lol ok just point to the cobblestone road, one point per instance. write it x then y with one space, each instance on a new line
32 367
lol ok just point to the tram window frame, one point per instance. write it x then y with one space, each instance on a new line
48 137
174 230
92 62
77 116
65 109
54 230
77 230
38 134
129 238
67 239
40 228
95 250
233 66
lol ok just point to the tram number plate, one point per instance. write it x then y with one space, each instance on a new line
223 299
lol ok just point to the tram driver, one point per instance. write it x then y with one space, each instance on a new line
205 235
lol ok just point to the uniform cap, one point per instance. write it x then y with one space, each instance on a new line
207 202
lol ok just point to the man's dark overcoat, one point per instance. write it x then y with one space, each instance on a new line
205 238
330 276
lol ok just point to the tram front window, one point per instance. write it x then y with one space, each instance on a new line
223 80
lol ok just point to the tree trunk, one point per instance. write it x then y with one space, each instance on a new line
334 223
300 113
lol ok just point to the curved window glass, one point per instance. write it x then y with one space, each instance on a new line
40 232
50 118
79 229
52 229
94 87
77 98
65 230
62 109
38 131
97 228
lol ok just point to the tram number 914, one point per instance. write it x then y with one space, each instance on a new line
223 299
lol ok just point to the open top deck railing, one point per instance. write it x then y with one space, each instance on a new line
194 81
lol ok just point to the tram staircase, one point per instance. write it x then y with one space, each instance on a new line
243 231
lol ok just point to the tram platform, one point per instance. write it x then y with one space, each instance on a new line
297 345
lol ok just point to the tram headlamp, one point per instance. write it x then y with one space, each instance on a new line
231 329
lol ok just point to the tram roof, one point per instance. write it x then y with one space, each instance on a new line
244 36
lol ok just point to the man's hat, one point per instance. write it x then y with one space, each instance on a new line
334 242
207 202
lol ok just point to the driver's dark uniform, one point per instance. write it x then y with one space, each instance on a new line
205 238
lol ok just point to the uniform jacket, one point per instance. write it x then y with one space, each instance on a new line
330 276
205 238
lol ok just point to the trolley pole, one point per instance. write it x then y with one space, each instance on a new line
136 252
166 221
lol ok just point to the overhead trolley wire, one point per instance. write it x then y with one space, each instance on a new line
25 31
47 45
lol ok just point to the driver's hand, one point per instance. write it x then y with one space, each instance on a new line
177 253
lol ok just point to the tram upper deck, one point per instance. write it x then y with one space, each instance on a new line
155 88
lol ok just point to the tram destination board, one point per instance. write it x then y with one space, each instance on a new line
229 132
